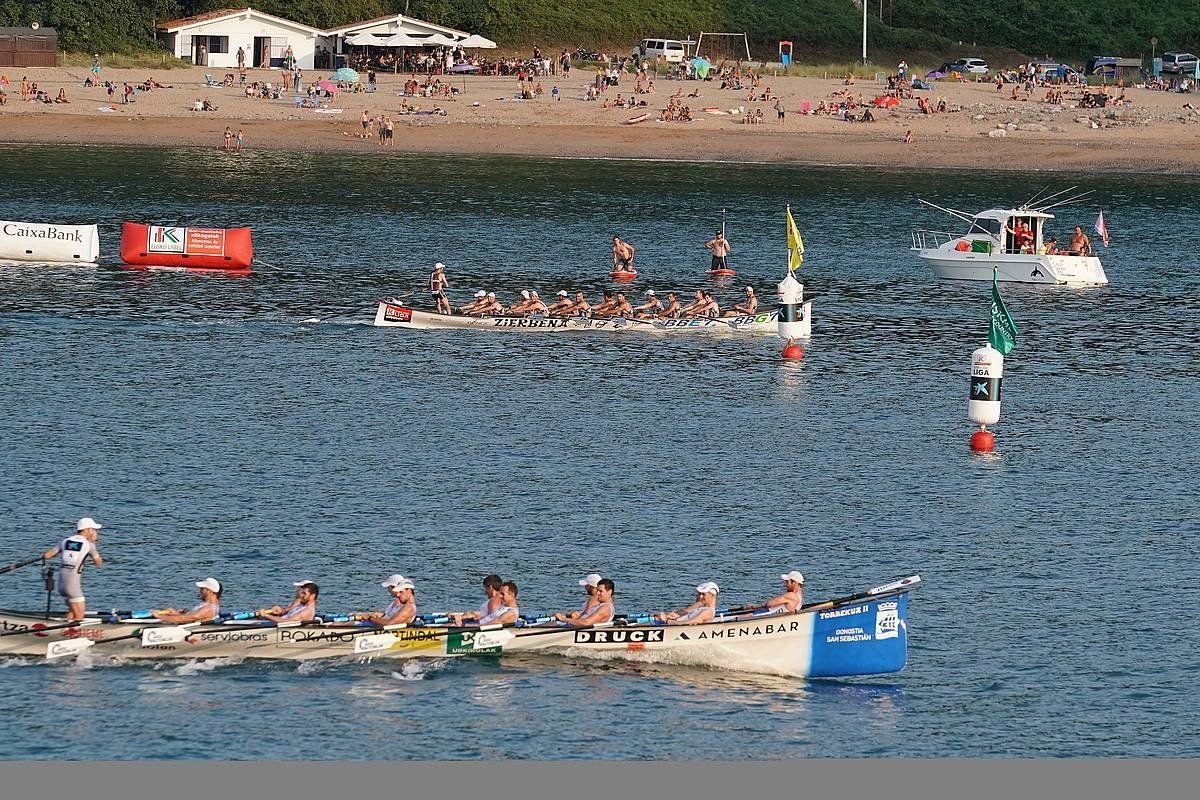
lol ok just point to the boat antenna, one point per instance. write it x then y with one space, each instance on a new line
1033 199
1069 201
960 214
1051 197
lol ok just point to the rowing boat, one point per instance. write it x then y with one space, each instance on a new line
862 634
391 314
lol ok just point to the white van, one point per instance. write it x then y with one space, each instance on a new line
670 49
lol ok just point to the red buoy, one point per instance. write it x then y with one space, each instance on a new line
983 441
793 351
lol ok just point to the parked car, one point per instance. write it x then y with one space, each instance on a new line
967 66
670 49
1057 73
1179 62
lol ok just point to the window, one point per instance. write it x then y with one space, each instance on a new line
981 225
218 44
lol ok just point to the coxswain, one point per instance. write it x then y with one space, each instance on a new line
76 550
403 608
622 255
208 609
562 305
302 609
600 611
621 306
702 610
469 308
720 248
649 308
438 286
791 600
491 590
672 310
748 307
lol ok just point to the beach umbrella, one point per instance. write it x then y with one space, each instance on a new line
345 74
401 40
702 66
326 86
475 40
438 40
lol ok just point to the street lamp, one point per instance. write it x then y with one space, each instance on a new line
1153 44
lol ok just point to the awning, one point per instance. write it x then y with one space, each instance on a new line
475 40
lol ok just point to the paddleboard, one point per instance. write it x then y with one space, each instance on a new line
622 275
722 273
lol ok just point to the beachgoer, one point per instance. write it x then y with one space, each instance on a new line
239 140
75 551
302 609
209 607
228 138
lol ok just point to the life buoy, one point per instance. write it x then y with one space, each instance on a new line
224 249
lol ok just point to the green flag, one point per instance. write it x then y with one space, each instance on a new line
1002 333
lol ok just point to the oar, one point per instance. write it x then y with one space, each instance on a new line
73 624
20 564
887 588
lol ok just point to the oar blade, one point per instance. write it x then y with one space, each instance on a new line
488 639
173 634
65 648
374 643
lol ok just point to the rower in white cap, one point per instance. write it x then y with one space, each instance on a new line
589 583
522 305
698 612
403 608
301 609
76 550
599 607
748 307
209 607
438 284
649 308
469 308
536 304
791 600
489 305
562 305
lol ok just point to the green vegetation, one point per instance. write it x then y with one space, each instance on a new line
1003 31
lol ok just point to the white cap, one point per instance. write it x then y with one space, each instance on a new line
650 292
481 293
393 581
794 575
212 584
303 583
708 587
563 293
525 293
439 265
750 289
87 522
491 294
592 580
533 292
405 584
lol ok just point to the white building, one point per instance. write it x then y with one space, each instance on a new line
376 31
264 38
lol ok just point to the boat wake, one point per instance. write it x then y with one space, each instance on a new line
201 666
419 670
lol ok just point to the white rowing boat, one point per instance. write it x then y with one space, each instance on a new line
392 314
862 634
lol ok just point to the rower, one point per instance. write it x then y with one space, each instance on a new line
748 307
508 612
698 612
649 308
76 550
521 306
790 601
606 305
438 286
469 308
401 611
581 306
536 306
562 304
491 589
601 610
621 306
208 609
302 609
489 305
588 582
694 306
672 311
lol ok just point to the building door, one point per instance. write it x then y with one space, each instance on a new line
262 52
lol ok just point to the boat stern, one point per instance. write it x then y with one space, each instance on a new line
868 638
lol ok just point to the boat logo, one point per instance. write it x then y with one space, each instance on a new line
397 314
639 635
887 620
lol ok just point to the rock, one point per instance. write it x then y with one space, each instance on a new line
1084 120
997 133
979 117
1012 126
1033 127
1094 125
1058 129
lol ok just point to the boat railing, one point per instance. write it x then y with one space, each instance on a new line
931 240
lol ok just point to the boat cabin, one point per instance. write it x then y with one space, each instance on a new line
1007 231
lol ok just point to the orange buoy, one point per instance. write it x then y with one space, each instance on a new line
793 351
983 441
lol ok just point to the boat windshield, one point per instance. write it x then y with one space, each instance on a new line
983 225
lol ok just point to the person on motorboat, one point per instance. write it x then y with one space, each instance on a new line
403 608
209 607
438 286
791 600
1049 247
491 590
750 306
562 305
649 308
1080 244
1022 236
469 307
621 306
601 610
672 310
701 611
302 609
75 551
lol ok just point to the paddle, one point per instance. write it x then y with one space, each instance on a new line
20 564
73 624
887 588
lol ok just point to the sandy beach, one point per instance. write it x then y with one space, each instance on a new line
982 129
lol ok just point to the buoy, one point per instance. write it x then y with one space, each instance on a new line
793 351
793 322
983 441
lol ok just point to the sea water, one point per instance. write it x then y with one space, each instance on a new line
259 430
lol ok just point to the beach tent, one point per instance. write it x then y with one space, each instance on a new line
702 67
475 40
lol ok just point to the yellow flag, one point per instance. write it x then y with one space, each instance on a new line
795 243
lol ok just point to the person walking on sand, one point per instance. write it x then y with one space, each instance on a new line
241 58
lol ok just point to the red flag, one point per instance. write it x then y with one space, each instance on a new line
1102 229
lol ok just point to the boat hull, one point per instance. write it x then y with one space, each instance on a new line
394 315
1016 267
865 638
